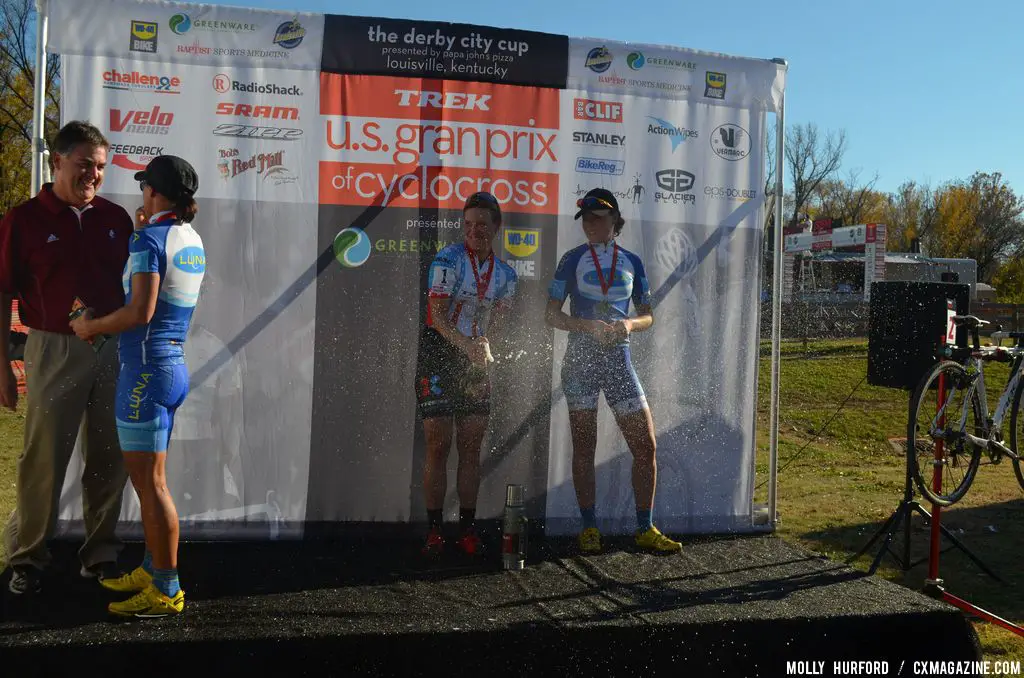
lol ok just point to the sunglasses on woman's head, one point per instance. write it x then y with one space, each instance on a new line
594 203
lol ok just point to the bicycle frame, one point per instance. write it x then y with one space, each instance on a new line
994 425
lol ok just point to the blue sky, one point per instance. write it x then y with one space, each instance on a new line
930 91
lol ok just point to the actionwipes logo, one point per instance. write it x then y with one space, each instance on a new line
676 134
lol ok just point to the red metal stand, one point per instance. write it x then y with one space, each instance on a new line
933 584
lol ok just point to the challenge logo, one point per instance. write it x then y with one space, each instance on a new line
222 84
135 81
153 121
731 142
522 243
599 139
143 37
256 132
676 134
714 85
251 111
289 34
600 166
597 111
599 59
675 185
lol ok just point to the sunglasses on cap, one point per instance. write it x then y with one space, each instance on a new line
594 203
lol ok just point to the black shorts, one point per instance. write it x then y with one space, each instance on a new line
445 384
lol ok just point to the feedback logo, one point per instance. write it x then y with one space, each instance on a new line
343 183
597 111
133 158
141 82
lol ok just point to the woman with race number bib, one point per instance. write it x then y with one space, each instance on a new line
469 291
601 279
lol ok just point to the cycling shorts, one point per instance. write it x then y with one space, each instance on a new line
446 385
147 397
586 373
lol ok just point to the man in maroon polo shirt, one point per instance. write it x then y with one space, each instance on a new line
65 243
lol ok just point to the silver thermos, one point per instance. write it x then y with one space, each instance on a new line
513 529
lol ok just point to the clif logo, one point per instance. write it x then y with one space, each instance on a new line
597 111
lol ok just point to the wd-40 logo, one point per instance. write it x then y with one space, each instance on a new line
456 100
600 166
676 134
714 85
520 243
153 121
143 37
675 185
731 142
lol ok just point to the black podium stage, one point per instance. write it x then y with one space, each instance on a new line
738 606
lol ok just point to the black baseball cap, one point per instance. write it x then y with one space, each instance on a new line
170 176
486 201
597 199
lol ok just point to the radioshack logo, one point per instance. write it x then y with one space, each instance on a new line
222 84
676 134
134 81
599 59
600 166
456 100
251 111
521 243
153 121
714 85
143 37
597 111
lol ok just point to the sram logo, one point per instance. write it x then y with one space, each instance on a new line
153 121
251 111
457 100
255 132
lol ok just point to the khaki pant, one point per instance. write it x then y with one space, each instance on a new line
67 380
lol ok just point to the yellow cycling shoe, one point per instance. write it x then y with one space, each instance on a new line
149 603
654 540
136 580
590 540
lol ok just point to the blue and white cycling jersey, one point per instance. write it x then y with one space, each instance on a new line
451 277
576 277
175 251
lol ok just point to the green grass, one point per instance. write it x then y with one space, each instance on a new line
845 482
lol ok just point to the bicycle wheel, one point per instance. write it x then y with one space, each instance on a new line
1016 435
959 460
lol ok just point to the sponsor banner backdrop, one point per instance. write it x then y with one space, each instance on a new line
247 131
673 73
239 459
185 33
432 49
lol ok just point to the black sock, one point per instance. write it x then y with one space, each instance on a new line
466 518
435 518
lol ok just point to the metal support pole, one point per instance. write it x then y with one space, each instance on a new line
39 151
773 446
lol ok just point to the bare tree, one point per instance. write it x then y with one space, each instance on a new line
18 71
811 160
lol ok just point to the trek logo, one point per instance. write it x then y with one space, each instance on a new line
136 81
520 243
153 121
675 185
676 134
143 37
731 142
599 166
251 111
597 111
223 84
255 132
457 100
599 139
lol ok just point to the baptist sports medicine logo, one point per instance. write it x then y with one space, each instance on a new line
351 247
